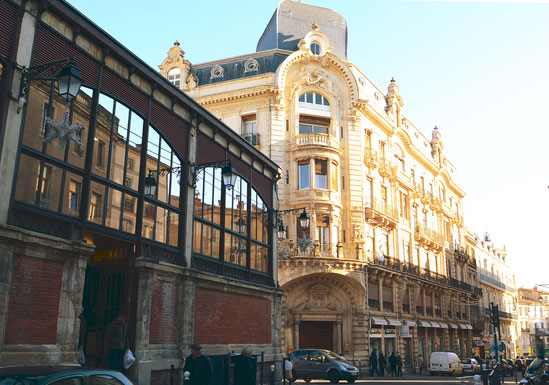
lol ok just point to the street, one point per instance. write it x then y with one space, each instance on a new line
412 379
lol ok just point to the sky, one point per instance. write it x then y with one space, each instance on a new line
479 70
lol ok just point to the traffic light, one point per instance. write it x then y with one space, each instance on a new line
494 314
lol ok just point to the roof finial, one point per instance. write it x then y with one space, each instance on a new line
176 43
315 26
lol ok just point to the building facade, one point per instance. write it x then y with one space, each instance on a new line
383 263
533 319
498 287
83 239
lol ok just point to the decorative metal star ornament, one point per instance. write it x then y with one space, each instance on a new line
63 131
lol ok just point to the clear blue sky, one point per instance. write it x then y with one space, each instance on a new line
478 70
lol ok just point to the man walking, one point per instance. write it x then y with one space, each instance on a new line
393 364
116 336
199 366
373 363
399 364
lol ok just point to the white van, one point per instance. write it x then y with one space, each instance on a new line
445 363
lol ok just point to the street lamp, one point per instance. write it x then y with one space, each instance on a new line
241 225
69 79
304 219
282 231
228 173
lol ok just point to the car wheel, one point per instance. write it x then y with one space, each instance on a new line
294 375
333 376
351 380
307 380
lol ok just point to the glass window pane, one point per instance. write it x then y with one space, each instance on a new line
304 176
235 249
174 185
119 143
199 196
114 208
208 193
42 191
37 112
97 203
309 97
217 196
318 99
135 140
81 115
161 225
129 210
72 195
173 229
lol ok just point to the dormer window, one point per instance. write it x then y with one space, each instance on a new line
174 76
315 48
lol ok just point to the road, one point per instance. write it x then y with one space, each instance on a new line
413 380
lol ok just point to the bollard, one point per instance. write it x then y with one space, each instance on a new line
272 375
359 368
476 379
186 378
172 374
484 373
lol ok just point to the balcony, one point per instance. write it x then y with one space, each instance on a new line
253 139
406 308
370 158
289 249
381 214
313 139
385 168
493 281
387 306
373 304
435 203
429 237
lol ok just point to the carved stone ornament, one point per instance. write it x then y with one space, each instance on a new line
63 131
319 298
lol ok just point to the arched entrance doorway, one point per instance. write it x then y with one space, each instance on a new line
324 311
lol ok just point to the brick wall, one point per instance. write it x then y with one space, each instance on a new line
226 318
34 301
163 313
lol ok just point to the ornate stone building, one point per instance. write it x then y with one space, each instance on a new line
533 305
383 263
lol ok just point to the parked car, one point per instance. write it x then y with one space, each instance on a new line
445 363
61 375
470 366
313 364
508 367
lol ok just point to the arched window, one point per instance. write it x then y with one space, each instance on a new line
315 48
314 98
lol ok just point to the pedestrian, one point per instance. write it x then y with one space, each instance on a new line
399 364
382 364
116 338
393 364
420 364
244 368
374 363
199 366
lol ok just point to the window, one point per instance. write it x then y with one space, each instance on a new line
148 231
104 379
249 129
100 157
322 236
95 208
127 225
128 182
174 76
314 98
315 48
131 164
321 173
68 381
304 175
45 115
74 195
46 179
313 124
129 203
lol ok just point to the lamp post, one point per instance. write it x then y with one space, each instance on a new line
304 221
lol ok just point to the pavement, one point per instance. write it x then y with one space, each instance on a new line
414 379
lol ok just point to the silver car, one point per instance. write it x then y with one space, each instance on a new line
470 365
311 364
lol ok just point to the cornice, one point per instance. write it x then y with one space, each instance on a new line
234 96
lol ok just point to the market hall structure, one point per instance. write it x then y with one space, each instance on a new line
385 262
125 198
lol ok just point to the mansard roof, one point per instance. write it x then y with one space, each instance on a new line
292 21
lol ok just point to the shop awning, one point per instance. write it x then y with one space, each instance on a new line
443 325
434 324
454 326
463 326
423 323
393 321
378 320
410 323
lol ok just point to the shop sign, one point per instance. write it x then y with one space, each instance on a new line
477 343
375 333
390 333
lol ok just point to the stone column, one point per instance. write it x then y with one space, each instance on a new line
380 288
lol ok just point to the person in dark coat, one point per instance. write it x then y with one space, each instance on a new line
393 364
199 366
399 364
244 368
116 338
374 363
382 364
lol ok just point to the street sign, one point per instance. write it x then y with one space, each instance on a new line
494 348
436 345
